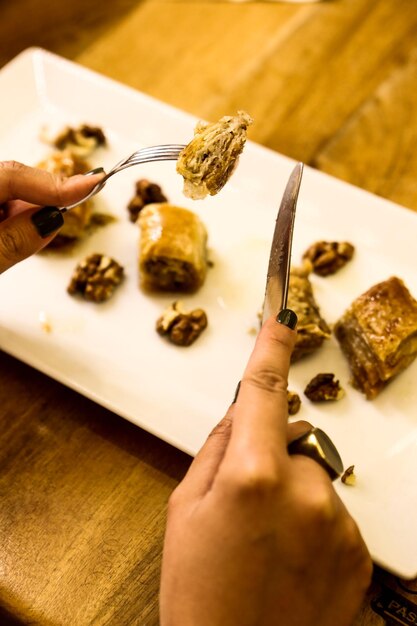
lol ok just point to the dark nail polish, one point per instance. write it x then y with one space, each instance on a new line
47 220
236 392
288 318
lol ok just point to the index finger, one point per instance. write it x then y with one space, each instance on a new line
18 181
261 412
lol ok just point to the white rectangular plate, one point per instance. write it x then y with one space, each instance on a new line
111 352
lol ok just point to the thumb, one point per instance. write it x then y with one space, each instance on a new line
27 232
203 469
37 186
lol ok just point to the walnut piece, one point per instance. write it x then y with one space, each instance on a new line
82 140
294 402
349 477
181 327
324 387
146 193
327 257
96 278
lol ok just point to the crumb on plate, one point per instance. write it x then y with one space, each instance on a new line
349 477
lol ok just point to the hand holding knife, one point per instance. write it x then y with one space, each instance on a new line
278 277
315 443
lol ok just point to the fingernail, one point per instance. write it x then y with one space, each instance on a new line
288 318
236 392
96 170
47 220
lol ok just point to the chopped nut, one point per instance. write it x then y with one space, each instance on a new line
181 327
105 262
349 477
96 278
327 257
146 193
82 141
324 387
294 402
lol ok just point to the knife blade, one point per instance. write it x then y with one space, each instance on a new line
278 276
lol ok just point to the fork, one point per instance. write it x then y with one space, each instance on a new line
168 152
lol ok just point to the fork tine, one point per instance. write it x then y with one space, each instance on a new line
157 149
167 152
151 154
156 155
139 161
176 146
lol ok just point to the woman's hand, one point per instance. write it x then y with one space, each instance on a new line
26 228
255 536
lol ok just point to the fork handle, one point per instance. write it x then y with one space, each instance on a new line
96 189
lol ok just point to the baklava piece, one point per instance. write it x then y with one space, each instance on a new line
294 402
145 193
96 278
172 249
180 326
209 160
327 257
324 387
312 329
378 335
75 221
81 141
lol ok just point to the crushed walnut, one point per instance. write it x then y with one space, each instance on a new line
82 141
181 327
96 278
349 477
146 193
324 387
327 257
294 402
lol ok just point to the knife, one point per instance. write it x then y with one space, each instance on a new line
315 443
276 292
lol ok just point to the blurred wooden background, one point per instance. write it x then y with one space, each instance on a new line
325 82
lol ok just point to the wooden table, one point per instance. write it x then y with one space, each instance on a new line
83 492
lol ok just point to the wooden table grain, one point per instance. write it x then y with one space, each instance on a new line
83 492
